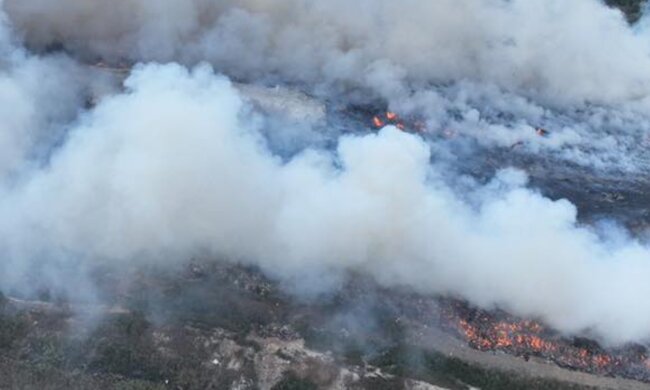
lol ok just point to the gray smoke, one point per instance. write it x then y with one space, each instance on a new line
176 164
550 50
520 57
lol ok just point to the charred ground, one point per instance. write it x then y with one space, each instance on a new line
223 326
216 325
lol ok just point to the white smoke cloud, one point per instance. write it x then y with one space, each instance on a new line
424 58
172 166
177 164
558 51
38 97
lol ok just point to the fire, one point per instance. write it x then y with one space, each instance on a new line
388 118
524 338
488 332
503 335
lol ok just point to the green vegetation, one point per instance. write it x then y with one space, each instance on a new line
127 351
12 330
124 346
453 373
23 375
291 381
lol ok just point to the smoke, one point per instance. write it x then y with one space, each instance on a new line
551 50
575 68
177 164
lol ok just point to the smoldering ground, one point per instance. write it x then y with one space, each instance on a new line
175 163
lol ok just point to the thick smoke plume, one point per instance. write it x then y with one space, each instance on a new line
176 164
426 58
550 49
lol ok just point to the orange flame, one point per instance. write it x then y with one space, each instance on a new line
526 337
491 332
388 118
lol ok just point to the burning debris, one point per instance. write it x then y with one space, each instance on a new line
411 125
498 331
387 119
178 161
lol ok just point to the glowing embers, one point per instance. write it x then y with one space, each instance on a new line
498 331
386 119
505 334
